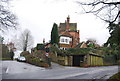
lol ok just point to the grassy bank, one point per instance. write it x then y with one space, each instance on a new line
115 77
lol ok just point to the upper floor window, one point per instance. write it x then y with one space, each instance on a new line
66 40
62 40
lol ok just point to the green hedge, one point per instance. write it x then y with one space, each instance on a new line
5 59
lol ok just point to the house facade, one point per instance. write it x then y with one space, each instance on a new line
69 35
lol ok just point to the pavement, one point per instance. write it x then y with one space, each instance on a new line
20 70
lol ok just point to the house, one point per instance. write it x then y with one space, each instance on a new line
82 45
69 35
87 45
11 46
65 40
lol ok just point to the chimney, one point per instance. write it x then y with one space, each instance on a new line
68 19
67 23
43 40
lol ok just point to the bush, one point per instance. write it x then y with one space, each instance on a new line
34 60
25 53
5 59
118 62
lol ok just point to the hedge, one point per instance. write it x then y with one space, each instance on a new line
34 60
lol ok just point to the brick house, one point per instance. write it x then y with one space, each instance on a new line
87 45
11 47
69 35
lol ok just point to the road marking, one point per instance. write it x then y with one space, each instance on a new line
7 70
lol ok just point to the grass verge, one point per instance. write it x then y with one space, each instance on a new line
115 77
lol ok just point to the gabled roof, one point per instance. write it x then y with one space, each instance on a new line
81 45
66 34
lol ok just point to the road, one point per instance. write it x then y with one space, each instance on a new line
20 70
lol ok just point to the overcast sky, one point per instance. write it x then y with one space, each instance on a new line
39 15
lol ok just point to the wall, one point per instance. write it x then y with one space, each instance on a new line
4 52
76 39
94 60
89 60
63 60
54 57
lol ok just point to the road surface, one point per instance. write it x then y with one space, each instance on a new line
20 70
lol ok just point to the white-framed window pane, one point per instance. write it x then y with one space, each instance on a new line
62 40
66 40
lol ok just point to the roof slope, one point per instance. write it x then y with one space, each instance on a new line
66 34
73 26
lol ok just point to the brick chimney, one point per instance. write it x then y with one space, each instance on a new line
67 23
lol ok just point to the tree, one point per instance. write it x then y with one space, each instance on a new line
25 40
54 34
114 42
107 10
114 38
7 18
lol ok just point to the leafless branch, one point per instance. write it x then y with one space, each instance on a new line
99 6
7 19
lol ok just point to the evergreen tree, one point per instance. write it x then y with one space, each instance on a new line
114 39
54 34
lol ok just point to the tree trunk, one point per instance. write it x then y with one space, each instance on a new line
26 41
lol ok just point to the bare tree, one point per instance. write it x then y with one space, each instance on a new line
26 40
7 18
107 10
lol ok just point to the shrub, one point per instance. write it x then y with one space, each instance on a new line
25 53
34 60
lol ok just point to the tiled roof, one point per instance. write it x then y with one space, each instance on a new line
66 34
73 26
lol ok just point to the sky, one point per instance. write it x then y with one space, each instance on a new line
39 15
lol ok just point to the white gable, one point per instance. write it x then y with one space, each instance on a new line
65 40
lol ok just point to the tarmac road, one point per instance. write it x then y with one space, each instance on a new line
20 70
